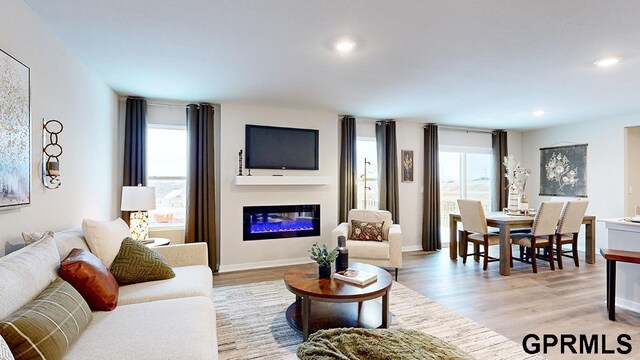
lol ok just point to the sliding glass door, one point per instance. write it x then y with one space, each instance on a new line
465 173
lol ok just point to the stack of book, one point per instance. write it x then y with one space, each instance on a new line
357 277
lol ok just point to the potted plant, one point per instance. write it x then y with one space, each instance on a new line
324 258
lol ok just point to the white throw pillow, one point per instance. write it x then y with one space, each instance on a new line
104 237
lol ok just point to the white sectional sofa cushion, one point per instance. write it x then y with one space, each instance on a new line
168 329
69 240
26 273
189 281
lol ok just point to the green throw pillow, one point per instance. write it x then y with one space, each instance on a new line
46 327
136 263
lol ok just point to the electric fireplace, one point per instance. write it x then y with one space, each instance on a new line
280 221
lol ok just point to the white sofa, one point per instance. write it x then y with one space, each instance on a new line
386 253
166 319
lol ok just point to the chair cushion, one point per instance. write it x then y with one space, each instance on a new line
493 238
367 231
189 281
368 249
372 216
526 241
46 327
87 274
5 352
166 329
136 263
104 237
24 274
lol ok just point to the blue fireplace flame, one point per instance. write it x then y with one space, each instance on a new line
282 225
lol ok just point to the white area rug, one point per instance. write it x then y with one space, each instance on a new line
251 324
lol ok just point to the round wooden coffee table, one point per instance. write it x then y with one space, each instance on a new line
336 303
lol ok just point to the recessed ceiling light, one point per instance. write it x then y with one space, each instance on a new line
607 62
345 45
538 113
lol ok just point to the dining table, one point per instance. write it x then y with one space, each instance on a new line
505 223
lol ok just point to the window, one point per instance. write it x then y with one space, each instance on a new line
464 174
367 171
167 167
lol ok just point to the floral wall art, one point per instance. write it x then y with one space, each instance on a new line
15 132
407 165
563 171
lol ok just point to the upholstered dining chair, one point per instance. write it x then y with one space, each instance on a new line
384 252
542 233
568 229
476 231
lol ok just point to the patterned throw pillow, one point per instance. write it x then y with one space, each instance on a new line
368 231
136 263
5 352
46 327
30 238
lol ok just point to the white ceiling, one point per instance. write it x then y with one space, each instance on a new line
473 63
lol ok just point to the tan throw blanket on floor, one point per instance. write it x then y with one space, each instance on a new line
353 344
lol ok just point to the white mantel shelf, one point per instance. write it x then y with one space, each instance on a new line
282 180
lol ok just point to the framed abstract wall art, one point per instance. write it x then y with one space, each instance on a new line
563 171
15 132
407 165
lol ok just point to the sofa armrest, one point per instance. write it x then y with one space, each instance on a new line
185 254
395 245
342 229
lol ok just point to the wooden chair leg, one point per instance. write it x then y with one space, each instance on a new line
476 250
549 250
534 262
463 253
559 250
511 260
574 250
486 255
396 274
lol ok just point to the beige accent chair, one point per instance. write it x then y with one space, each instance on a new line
542 233
386 253
474 222
568 229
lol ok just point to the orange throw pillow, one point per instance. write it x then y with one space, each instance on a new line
87 274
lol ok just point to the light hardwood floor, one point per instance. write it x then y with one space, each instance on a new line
569 301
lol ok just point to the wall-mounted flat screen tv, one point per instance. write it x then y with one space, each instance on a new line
270 147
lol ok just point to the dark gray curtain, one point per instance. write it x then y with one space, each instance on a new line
201 226
500 185
388 168
431 197
135 145
348 167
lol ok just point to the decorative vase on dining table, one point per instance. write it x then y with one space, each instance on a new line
523 202
513 198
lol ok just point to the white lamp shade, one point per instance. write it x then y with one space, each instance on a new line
138 198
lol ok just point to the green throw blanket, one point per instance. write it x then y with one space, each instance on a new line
352 344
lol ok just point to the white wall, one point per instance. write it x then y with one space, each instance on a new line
62 87
605 165
236 254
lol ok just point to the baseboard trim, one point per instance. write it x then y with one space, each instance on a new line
412 248
263 264
285 262
628 304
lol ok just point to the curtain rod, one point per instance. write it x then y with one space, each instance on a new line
465 129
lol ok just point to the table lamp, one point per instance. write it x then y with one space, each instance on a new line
138 199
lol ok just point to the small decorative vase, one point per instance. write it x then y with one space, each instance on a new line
523 202
342 261
513 198
324 272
